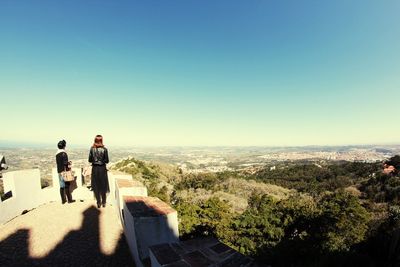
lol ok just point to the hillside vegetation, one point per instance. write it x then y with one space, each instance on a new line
300 214
166 181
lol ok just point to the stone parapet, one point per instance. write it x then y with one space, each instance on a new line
127 187
26 193
147 206
148 222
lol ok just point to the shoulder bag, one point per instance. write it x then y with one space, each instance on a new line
68 176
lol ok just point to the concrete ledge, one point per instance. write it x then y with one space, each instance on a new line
127 187
26 193
147 206
148 222
112 177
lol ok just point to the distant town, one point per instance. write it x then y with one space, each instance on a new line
202 159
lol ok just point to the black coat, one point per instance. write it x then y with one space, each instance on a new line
98 156
62 162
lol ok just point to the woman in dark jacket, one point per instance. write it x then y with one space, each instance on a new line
63 165
98 156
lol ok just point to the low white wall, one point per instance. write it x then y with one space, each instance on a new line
141 232
130 236
112 176
126 187
111 182
54 178
26 193
149 222
155 230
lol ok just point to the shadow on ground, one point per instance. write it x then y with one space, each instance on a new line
78 248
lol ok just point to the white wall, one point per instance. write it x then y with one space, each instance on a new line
112 177
26 193
155 230
140 232
130 236
148 230
120 192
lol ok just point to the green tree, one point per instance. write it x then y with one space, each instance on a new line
216 217
211 218
259 228
161 193
342 222
188 215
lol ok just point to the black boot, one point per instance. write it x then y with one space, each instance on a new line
68 193
98 200
62 193
103 199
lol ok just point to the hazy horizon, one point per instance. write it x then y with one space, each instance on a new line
215 73
17 144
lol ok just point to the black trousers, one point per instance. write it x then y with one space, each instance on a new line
101 197
66 193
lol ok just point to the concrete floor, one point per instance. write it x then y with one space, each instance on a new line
76 234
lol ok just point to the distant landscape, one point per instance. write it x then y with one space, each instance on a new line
265 124
285 206
196 159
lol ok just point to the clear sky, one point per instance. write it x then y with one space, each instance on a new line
200 72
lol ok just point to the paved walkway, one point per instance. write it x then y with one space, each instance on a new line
76 234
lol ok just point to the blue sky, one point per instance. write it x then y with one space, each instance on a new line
200 72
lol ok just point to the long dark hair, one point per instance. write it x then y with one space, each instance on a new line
98 141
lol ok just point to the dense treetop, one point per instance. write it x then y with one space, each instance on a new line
297 214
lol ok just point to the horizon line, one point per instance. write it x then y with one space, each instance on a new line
24 144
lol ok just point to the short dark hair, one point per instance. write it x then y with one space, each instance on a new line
61 144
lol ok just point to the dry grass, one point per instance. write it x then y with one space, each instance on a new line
236 192
233 190
352 190
245 188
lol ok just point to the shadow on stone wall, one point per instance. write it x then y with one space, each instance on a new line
78 248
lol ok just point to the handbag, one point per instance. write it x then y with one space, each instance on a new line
68 176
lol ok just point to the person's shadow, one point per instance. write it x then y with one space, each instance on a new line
78 248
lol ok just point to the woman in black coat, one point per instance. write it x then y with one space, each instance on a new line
98 156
